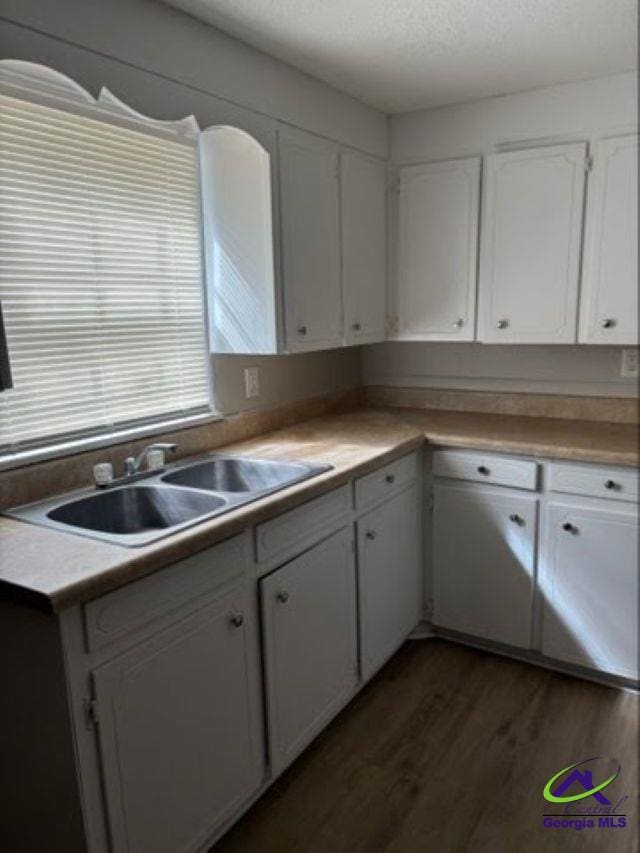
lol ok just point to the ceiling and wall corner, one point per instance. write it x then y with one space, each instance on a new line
416 54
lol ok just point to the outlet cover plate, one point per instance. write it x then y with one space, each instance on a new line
251 382
629 363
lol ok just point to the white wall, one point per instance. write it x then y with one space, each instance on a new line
582 370
584 111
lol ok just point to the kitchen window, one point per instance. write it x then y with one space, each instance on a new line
101 273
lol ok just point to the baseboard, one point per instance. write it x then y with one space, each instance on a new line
425 631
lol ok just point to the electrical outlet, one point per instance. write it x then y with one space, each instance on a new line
251 382
629 363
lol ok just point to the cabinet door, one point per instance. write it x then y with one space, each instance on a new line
437 250
309 625
530 254
483 562
609 309
310 210
389 578
235 175
180 729
589 585
363 208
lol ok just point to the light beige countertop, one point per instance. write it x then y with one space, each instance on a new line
55 570
550 438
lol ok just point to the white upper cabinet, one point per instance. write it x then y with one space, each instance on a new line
363 214
310 202
437 251
609 309
530 254
238 242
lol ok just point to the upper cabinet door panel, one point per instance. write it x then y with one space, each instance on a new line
310 207
530 255
437 250
609 311
363 208
238 242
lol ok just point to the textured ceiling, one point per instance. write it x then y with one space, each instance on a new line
400 55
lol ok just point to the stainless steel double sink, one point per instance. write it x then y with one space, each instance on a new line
183 495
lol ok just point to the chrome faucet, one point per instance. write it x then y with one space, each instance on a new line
132 463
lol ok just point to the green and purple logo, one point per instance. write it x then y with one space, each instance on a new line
582 778
578 794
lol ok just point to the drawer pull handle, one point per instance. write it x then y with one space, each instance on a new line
482 469
570 528
371 534
517 519
608 323
302 330
236 619
502 324
611 484
459 323
356 327
390 478
282 596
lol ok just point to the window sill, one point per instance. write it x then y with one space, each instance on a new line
70 447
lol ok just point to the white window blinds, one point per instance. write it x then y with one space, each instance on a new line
101 280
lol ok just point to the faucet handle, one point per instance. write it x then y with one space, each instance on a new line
132 463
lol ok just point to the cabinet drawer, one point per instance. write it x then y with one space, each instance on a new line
617 483
293 531
110 617
486 468
386 480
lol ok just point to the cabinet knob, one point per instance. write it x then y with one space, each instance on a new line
502 324
356 327
390 478
371 534
302 330
282 596
517 519
611 484
459 323
570 528
482 469
608 323
236 619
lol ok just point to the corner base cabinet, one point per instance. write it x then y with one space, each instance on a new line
483 562
589 584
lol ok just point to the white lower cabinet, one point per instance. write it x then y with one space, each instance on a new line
589 586
483 561
180 728
389 578
310 644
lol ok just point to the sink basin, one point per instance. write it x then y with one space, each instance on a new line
227 474
188 493
136 509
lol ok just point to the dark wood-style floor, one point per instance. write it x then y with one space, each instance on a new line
448 749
